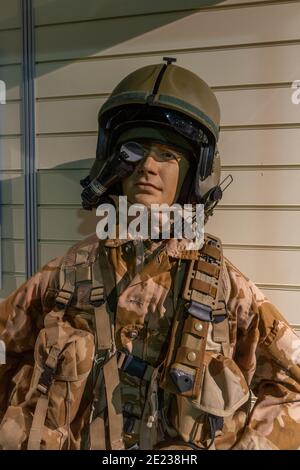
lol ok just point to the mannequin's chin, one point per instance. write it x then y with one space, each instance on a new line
145 199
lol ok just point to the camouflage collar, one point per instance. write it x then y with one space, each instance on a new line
174 248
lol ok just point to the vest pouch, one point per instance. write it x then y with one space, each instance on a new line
222 390
74 365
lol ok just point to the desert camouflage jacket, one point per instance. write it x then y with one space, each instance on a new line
261 344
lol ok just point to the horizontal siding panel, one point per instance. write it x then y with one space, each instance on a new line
66 184
218 68
13 256
12 221
71 10
287 302
239 107
267 266
268 147
10 118
10 14
11 75
70 151
10 282
249 227
68 116
263 187
10 47
10 153
69 223
249 187
260 147
49 251
242 2
11 188
95 38
171 31
258 107
256 227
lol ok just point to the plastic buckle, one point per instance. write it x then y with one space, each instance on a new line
96 302
46 379
63 299
97 296
200 311
219 315
132 365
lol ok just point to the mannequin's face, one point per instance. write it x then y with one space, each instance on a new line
158 178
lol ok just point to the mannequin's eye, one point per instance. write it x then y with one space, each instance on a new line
168 156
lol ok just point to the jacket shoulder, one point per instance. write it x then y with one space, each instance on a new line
245 296
82 251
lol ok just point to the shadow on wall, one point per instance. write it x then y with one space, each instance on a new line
111 23
67 221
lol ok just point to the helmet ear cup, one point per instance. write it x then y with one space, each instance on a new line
187 192
207 188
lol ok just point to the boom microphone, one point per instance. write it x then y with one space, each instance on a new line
119 165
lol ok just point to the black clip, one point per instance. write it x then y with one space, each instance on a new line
46 379
169 60
200 311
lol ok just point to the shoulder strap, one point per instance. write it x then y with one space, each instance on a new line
203 303
203 288
102 285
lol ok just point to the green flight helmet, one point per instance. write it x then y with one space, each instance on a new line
170 98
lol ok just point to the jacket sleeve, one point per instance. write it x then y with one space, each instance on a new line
21 318
268 352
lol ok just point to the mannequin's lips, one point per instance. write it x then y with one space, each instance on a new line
146 185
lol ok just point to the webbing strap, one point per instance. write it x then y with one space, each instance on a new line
114 403
207 268
106 270
67 279
97 434
211 251
149 428
221 335
204 287
101 311
103 327
36 431
105 339
44 382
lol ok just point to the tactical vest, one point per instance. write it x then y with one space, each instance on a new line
189 393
